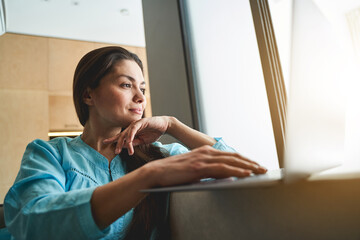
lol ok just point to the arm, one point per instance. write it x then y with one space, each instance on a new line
149 130
190 137
114 199
109 202
37 206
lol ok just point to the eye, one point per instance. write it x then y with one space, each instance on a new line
142 90
126 85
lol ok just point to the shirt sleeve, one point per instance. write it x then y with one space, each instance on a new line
37 205
176 148
221 145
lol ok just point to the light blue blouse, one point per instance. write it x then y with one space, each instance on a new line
50 198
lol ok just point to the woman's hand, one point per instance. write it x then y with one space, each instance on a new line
143 131
203 162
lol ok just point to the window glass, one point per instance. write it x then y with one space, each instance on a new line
228 76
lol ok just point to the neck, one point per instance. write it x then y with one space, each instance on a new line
95 134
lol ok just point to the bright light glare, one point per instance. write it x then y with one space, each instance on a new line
321 73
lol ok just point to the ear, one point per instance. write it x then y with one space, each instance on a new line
87 97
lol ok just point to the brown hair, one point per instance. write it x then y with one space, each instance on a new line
150 219
150 215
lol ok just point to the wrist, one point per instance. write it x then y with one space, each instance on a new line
172 123
150 173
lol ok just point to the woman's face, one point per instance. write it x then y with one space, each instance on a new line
119 99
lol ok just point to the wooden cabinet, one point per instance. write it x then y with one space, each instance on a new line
64 55
24 117
62 114
23 62
23 100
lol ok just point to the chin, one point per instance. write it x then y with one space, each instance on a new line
128 121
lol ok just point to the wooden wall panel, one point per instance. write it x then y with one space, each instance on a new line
23 62
24 117
62 114
64 56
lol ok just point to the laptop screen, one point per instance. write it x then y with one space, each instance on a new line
315 133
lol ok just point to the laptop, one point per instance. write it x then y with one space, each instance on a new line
271 178
315 120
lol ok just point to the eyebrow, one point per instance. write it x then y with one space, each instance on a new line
130 78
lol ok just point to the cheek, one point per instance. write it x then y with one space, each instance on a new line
116 97
121 100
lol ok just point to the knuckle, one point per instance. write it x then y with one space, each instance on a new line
220 166
237 155
201 157
234 160
206 149
196 166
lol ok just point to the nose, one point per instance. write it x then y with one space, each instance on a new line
139 97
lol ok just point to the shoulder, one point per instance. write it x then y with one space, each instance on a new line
42 159
43 149
52 144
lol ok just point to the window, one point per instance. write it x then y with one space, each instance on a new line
220 85
228 77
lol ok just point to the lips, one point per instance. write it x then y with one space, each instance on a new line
137 111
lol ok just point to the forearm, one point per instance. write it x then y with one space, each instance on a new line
51 216
111 201
188 136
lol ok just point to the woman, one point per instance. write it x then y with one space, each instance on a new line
89 187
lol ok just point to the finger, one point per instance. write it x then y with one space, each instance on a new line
214 155
132 132
111 139
120 143
235 161
219 170
256 167
126 141
130 149
137 142
237 155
